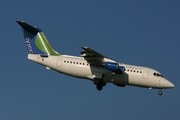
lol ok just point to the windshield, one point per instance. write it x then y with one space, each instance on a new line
157 74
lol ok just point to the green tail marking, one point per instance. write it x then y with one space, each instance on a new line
43 45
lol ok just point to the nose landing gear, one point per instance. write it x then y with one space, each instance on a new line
160 92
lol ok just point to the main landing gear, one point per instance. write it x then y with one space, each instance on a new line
99 84
160 92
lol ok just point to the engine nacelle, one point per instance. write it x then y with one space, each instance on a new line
114 67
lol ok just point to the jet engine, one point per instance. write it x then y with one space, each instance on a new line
114 67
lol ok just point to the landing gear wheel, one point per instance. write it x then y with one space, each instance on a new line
99 87
96 81
160 92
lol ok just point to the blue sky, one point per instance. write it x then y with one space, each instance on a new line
145 33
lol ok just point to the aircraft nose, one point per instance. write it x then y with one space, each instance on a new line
167 84
171 85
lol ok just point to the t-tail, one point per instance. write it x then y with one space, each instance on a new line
36 41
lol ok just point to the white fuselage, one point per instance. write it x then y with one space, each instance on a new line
79 67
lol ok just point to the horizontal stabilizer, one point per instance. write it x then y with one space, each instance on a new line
28 27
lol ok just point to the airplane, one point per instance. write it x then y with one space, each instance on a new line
90 64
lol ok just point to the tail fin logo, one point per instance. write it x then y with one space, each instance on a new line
28 43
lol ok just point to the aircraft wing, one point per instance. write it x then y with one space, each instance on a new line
93 56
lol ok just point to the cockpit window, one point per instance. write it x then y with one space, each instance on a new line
157 74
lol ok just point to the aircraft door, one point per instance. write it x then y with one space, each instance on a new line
59 62
145 74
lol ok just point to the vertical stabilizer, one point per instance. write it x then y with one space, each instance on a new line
36 41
